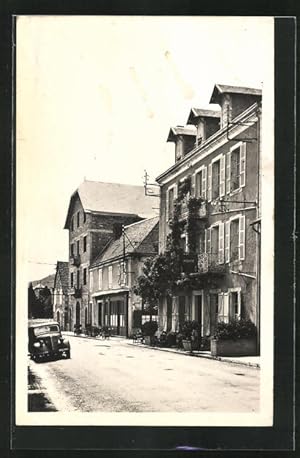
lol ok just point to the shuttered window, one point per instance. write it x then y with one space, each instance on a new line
221 243
227 241
242 238
243 165
209 195
223 307
222 177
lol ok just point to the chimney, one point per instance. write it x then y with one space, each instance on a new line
184 139
233 100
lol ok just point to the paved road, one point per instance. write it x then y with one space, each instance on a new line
113 376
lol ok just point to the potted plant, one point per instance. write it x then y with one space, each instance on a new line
190 332
237 338
149 328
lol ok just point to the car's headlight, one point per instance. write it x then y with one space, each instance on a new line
37 344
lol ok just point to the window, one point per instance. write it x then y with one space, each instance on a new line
235 304
84 276
236 168
72 249
200 182
84 243
78 247
78 278
235 239
216 178
171 196
214 244
122 273
84 217
223 308
78 219
100 278
183 243
72 224
110 277
91 280
72 280
201 243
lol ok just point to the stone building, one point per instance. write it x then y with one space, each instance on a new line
61 310
97 211
217 178
113 274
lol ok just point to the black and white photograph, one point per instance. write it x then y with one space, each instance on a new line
144 220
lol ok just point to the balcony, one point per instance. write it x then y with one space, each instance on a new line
76 292
75 260
209 263
201 212
189 263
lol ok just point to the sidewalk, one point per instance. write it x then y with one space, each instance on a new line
250 361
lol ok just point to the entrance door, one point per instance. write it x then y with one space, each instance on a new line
198 311
169 313
77 313
99 313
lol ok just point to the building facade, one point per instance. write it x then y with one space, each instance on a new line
215 184
61 310
113 275
97 211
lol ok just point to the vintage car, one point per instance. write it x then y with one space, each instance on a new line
46 341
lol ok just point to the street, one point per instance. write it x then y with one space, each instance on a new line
114 376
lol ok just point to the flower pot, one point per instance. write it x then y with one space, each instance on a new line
148 340
240 347
189 345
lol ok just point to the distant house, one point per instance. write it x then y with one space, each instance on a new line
61 310
95 216
113 274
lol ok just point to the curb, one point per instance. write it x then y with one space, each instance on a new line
197 355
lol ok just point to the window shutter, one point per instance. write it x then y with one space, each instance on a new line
209 182
175 191
167 205
242 238
228 172
204 173
221 243
226 307
193 184
242 165
227 241
222 176
238 316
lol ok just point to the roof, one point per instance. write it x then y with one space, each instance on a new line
180 130
136 241
113 198
201 113
225 89
62 270
46 281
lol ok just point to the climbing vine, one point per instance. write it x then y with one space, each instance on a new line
162 275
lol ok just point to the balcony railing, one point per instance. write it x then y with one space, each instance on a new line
75 260
76 292
209 262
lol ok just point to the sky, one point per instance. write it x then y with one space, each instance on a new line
96 97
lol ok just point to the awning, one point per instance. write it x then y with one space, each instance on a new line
109 292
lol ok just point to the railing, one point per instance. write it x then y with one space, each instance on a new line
209 262
76 292
75 260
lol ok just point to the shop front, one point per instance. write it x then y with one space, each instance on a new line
111 310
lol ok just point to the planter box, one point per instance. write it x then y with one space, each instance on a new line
190 346
240 347
149 340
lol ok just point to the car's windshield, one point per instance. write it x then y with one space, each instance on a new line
45 329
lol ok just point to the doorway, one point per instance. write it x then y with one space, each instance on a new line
77 313
198 304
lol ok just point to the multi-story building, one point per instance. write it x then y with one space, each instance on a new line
218 180
61 310
97 211
113 275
